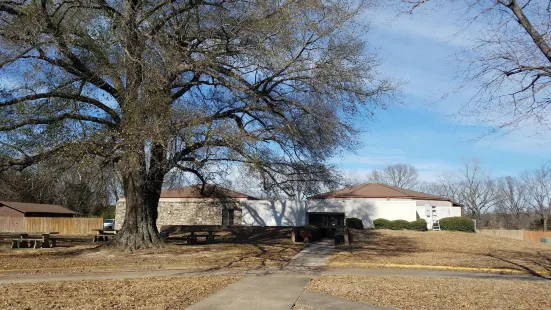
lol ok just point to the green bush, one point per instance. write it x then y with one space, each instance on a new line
419 225
381 224
354 223
457 223
399 224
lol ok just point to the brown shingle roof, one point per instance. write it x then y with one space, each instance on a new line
26 207
377 190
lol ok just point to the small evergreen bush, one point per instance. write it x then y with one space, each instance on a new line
457 223
419 225
381 224
354 223
399 224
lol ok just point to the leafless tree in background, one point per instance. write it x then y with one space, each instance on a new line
511 197
86 188
446 185
509 63
157 86
400 175
476 190
538 191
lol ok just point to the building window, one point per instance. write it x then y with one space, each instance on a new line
227 217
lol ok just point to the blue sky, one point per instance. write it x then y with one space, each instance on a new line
423 129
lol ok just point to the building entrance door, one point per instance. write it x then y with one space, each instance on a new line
327 222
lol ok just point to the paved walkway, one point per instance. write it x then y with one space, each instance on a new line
270 292
289 272
256 292
325 302
314 256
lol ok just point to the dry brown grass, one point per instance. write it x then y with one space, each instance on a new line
149 293
443 249
173 255
436 293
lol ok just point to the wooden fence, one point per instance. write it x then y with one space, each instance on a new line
516 234
64 225
536 235
12 224
505 233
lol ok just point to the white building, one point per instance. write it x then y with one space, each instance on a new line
367 202
220 206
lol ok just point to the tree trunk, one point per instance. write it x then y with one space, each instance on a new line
545 220
139 230
142 189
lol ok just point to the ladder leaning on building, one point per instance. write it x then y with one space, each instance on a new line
435 220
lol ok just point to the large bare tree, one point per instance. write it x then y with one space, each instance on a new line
154 86
538 191
476 189
509 62
400 175
511 197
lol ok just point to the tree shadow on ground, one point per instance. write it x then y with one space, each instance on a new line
538 265
57 252
376 243
280 254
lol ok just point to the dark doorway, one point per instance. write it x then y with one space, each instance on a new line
227 217
328 222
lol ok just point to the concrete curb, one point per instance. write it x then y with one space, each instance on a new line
433 267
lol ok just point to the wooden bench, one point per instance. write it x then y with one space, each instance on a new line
192 238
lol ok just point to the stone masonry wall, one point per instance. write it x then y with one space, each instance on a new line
193 212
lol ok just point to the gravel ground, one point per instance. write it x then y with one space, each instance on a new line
436 293
443 249
152 293
92 256
302 308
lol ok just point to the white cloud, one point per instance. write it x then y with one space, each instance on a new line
528 140
437 24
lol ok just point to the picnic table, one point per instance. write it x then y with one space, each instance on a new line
208 234
104 234
193 232
35 240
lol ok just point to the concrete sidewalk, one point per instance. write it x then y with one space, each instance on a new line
325 302
315 255
256 292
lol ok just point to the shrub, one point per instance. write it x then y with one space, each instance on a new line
420 225
381 224
354 223
457 223
341 234
311 230
399 225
